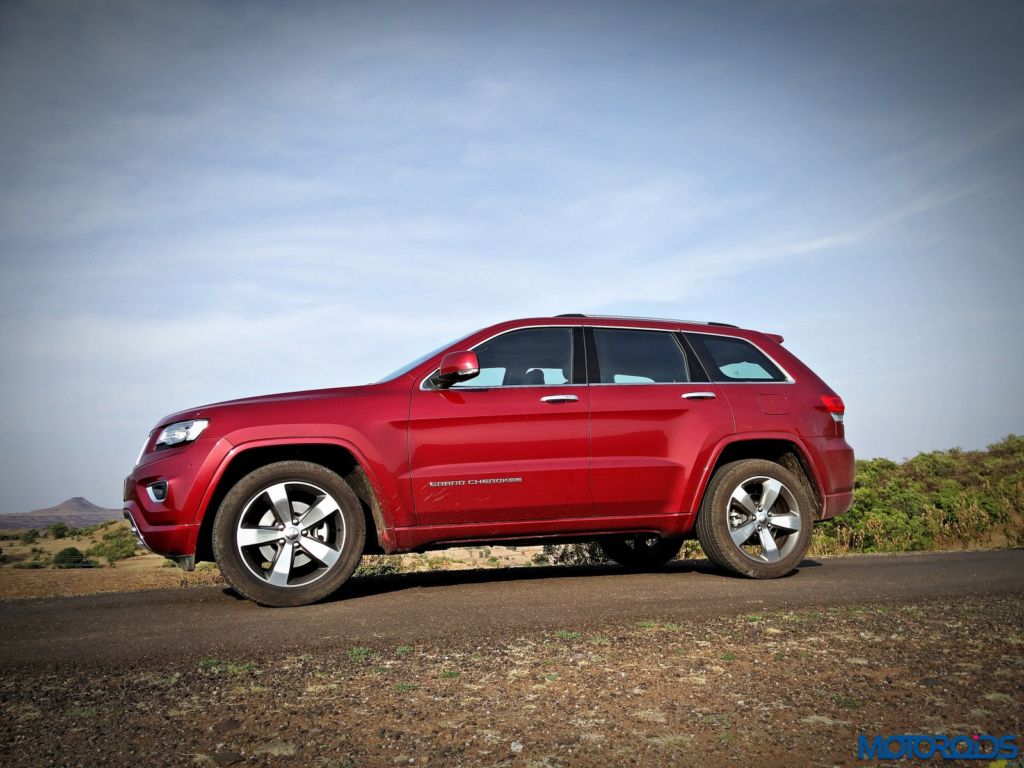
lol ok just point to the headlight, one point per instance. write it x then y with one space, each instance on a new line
181 432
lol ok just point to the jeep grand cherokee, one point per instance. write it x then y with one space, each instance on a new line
632 432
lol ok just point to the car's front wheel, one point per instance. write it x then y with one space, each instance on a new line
643 551
289 533
756 519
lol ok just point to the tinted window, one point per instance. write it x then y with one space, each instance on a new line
639 357
731 359
532 356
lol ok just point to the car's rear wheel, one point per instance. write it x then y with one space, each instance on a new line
756 519
643 551
289 533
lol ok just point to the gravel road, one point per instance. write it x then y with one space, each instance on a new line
466 606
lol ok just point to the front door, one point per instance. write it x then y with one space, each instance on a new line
511 444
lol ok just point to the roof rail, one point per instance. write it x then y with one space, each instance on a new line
655 319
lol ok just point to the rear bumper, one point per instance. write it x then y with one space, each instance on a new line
836 504
834 462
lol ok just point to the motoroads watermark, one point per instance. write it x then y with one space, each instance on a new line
977 746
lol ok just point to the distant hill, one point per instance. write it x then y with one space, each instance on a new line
76 512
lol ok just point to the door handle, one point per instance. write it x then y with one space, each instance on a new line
698 395
559 399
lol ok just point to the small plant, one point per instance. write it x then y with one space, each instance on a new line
848 702
217 667
647 624
449 674
406 687
566 634
728 656
168 564
691 550
404 650
379 565
599 640
540 558
753 618
206 565
359 654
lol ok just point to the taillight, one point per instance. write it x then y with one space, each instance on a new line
835 407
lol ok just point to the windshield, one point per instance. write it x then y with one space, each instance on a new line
419 360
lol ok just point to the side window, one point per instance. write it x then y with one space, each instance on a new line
732 359
530 357
639 357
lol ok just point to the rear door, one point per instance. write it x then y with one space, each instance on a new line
654 417
510 444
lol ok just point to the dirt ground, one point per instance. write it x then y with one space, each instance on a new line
147 571
775 688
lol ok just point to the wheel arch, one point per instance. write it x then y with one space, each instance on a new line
785 450
334 456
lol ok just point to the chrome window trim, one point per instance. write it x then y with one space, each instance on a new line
789 379
423 384
755 345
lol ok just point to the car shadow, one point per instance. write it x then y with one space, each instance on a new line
368 586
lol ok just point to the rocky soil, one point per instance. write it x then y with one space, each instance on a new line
782 688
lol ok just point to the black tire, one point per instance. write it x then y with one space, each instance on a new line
643 551
274 561
732 507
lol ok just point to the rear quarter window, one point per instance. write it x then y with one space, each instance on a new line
728 358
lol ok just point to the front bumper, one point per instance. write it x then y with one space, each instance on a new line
168 522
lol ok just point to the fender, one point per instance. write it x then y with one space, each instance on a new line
389 500
695 492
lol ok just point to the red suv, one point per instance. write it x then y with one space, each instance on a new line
636 433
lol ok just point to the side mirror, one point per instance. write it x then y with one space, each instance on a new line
456 367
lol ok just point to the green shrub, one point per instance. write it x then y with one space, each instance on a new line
72 557
116 545
937 500
379 565
586 553
30 536
58 530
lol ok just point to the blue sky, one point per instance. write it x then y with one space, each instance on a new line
200 201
